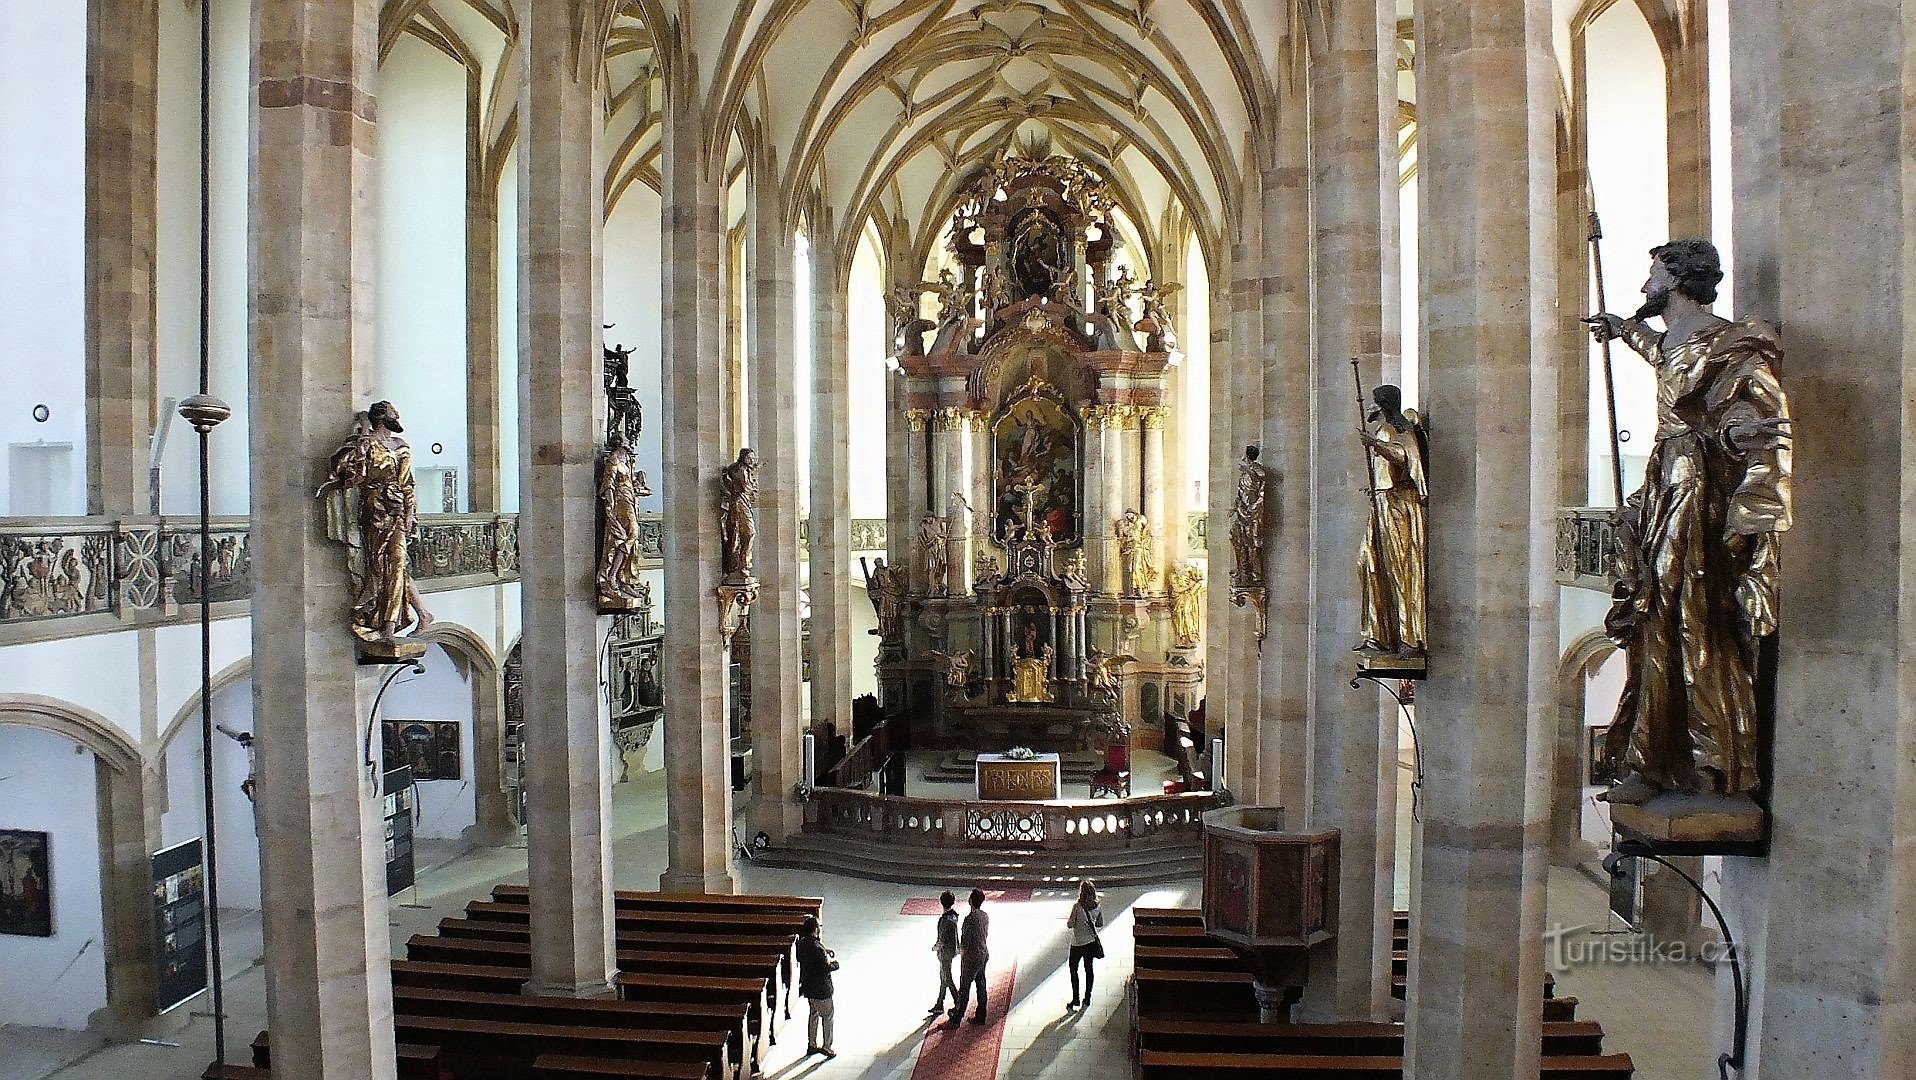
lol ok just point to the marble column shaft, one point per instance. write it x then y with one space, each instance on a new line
122 95
698 799
777 668
1823 120
1220 618
321 837
1111 475
1486 90
1353 743
831 536
1244 740
568 797
1151 480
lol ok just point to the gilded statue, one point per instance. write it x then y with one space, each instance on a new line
738 498
620 487
1134 548
1101 674
953 300
1114 296
885 587
957 668
1697 545
373 511
1031 678
997 292
1187 591
934 553
1391 567
1247 522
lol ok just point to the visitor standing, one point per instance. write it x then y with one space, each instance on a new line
973 955
945 948
1086 945
815 966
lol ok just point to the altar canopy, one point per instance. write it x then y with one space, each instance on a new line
1034 607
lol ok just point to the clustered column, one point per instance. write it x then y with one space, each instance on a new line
568 799
322 864
831 536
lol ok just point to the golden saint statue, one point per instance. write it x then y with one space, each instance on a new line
1697 544
619 490
738 498
1391 568
1134 548
1187 589
1031 671
374 512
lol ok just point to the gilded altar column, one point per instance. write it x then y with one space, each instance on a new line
1352 750
1486 96
777 670
122 117
1114 477
698 794
321 836
1822 120
984 508
568 797
831 526
1151 419
1097 513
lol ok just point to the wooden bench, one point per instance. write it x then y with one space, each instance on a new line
1187 958
1158 1065
633 899
413 1062
1198 995
491 1047
763 951
741 1044
444 976
1576 1038
564 1067
216 1071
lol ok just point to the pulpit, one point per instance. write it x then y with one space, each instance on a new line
1032 779
1270 896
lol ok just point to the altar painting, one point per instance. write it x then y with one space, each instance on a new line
1035 450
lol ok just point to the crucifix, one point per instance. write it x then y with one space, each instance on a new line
1029 489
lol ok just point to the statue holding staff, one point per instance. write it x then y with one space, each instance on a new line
1697 545
374 511
1391 568
1247 523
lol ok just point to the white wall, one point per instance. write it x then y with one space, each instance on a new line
177 235
231 119
42 249
50 786
444 692
184 813
1195 338
634 284
420 241
865 382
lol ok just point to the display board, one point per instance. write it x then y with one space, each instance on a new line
179 923
26 883
399 857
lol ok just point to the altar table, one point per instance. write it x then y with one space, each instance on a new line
1032 779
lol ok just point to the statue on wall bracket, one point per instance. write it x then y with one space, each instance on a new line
1247 538
372 509
1697 562
1391 567
738 526
620 487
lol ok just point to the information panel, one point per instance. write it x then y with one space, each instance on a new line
399 860
179 923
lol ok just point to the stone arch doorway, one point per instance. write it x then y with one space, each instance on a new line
1586 653
492 818
125 847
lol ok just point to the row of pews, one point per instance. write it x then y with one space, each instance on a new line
1194 1017
702 982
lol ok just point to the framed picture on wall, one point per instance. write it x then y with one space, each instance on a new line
1602 770
26 884
430 747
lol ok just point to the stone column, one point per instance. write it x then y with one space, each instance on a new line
1823 121
983 507
568 797
1285 664
1112 474
698 800
1353 744
492 811
1220 622
127 916
831 536
777 668
483 466
1152 422
122 94
1235 304
1486 84
322 857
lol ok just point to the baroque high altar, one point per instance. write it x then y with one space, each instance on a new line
1035 606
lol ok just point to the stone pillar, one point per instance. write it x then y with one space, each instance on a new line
122 94
1353 744
1822 128
492 811
568 796
1224 454
1682 31
831 534
983 507
1109 578
127 870
321 836
483 466
698 800
777 668
1286 672
1152 475
1097 512
1486 87
1235 304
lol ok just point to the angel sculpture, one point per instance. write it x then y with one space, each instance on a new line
957 669
1155 322
1101 674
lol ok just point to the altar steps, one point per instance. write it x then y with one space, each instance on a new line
1149 862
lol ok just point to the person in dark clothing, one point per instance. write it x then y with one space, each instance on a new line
945 948
973 955
1086 947
815 967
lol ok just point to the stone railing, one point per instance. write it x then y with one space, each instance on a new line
1087 825
1586 547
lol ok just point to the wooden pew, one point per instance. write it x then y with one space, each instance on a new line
741 1044
634 900
1158 1065
445 976
216 1071
563 1067
500 1048
1573 1039
1197 995
413 1062
1186 958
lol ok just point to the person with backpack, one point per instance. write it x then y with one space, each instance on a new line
945 948
815 967
1086 945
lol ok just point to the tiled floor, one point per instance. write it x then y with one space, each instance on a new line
1660 1015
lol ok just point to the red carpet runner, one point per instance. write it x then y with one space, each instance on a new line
971 1052
929 905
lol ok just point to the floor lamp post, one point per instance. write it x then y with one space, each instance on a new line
205 412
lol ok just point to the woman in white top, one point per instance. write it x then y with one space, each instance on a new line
1085 944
